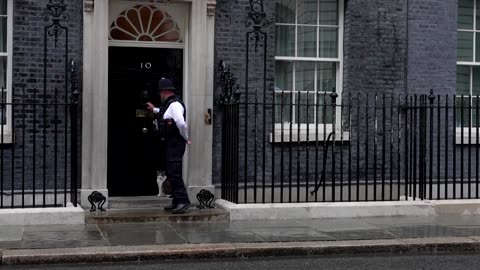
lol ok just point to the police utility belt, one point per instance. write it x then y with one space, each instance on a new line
165 128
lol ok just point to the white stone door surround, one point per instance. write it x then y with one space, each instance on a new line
199 68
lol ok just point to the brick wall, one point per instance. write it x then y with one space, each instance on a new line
432 52
28 74
432 46
231 46
374 62
390 47
375 46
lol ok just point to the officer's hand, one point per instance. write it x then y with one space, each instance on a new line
150 106
189 142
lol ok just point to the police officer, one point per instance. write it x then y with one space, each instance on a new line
173 121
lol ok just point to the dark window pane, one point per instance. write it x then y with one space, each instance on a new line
465 14
306 103
283 76
3 85
3 107
305 76
285 40
3 34
307 41
475 116
462 105
285 11
463 80
477 27
3 7
327 76
328 42
307 11
283 107
476 81
328 12
465 46
324 108
477 47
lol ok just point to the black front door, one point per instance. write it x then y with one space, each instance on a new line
133 150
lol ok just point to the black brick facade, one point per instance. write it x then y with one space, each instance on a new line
390 47
28 74
231 46
432 46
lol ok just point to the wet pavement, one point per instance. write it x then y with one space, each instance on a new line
136 234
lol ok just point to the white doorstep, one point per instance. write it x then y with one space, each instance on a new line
69 215
290 211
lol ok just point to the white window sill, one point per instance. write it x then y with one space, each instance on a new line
466 138
8 138
312 137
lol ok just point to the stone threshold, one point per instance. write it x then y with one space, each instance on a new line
142 202
136 215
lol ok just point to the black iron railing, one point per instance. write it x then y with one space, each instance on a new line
39 146
325 147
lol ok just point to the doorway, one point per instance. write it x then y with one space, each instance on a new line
133 150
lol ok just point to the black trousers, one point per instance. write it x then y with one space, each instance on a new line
174 151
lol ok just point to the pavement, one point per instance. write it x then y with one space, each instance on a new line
221 239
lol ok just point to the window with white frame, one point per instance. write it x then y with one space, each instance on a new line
6 10
468 61
308 61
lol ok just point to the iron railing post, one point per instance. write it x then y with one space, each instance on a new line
229 99
74 102
431 99
334 97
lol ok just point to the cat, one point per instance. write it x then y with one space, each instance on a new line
164 186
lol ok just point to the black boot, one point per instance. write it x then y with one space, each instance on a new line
170 207
181 208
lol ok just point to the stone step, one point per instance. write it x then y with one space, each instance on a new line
154 215
146 202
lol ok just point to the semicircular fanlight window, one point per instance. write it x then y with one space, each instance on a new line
145 23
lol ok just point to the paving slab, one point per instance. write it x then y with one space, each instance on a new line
63 244
221 237
127 227
10 233
10 245
294 236
361 235
466 231
398 221
332 225
140 234
273 224
59 228
140 238
424 231
458 221
211 227
61 239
